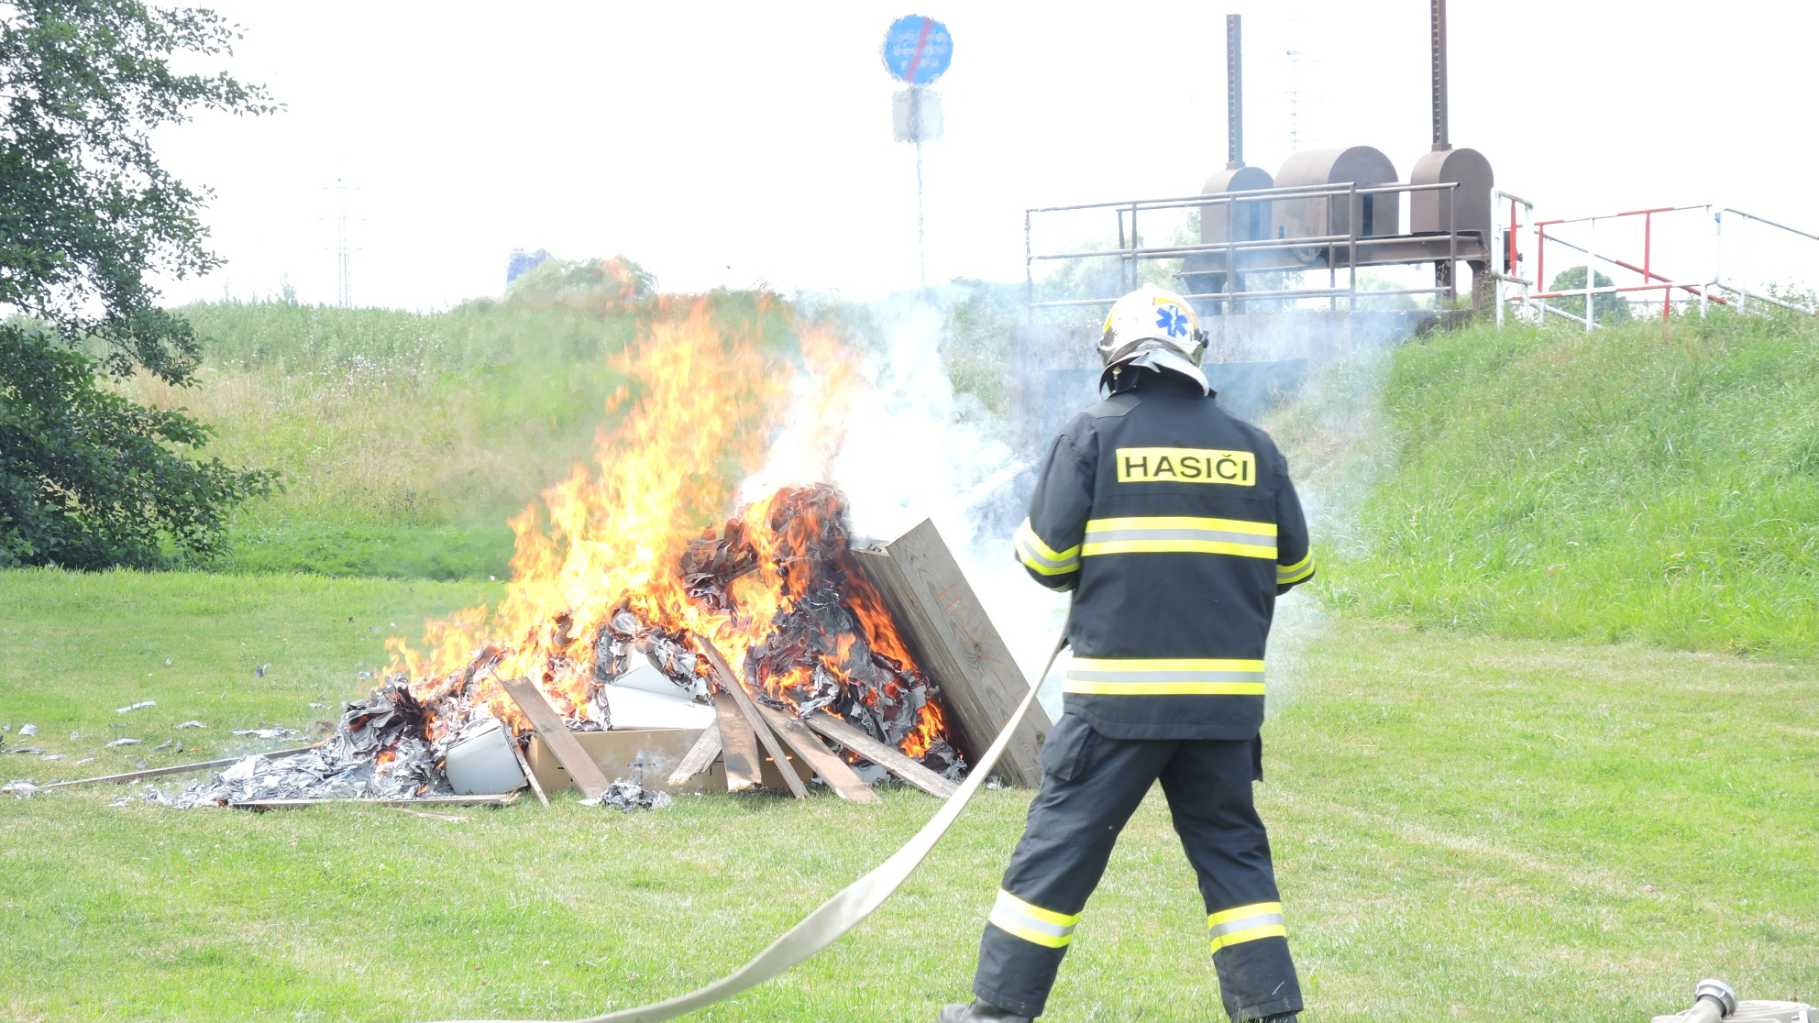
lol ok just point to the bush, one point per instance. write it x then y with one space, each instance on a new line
1608 307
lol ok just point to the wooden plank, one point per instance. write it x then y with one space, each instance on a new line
205 765
449 817
699 758
730 683
650 753
525 766
738 744
550 728
287 804
838 775
953 639
853 738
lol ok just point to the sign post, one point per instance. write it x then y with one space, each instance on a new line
917 50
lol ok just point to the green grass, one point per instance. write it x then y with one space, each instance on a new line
1637 483
1467 828
77 646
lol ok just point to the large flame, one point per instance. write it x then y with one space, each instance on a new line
700 401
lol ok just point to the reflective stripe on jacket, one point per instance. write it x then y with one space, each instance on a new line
1176 526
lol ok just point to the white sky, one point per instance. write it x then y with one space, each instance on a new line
735 143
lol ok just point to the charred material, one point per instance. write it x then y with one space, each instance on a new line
711 563
821 650
378 751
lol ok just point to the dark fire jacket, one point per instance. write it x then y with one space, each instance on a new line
1176 526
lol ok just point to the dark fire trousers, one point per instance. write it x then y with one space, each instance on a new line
1091 785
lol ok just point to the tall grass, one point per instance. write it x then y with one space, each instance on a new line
406 439
299 338
1646 482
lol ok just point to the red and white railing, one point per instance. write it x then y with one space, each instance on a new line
1524 239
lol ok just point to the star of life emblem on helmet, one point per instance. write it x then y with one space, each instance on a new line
1172 321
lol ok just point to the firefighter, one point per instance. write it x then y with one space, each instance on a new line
1176 528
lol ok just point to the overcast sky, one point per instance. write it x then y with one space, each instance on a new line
737 143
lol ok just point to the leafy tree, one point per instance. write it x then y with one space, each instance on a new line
87 215
1607 307
601 284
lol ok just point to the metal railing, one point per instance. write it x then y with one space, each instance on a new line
1131 252
1532 300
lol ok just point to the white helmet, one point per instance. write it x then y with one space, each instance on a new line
1155 329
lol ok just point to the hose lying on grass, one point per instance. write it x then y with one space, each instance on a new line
851 904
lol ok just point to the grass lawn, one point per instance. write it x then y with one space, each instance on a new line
1466 829
1648 484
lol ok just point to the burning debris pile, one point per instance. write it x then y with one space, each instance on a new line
608 570
830 643
767 626
781 577
778 582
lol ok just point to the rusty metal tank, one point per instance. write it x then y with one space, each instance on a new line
1364 166
1205 271
1252 218
1428 211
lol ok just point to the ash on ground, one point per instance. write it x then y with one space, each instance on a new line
377 752
625 794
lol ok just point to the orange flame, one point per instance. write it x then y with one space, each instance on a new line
698 406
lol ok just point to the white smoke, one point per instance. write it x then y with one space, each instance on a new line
911 448
914 448
1335 433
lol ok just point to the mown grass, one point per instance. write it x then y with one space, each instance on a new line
234 651
1647 483
1466 828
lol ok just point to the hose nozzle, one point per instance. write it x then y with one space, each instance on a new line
1713 1000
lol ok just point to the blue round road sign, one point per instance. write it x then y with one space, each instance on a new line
917 49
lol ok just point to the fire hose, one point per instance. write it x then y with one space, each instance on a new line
1714 1001
841 913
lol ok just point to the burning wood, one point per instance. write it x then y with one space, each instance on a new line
778 583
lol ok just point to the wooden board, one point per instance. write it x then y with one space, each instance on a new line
825 762
846 734
157 772
699 757
953 639
287 804
551 729
738 743
729 683
524 765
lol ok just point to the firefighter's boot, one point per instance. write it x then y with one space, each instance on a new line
979 1012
